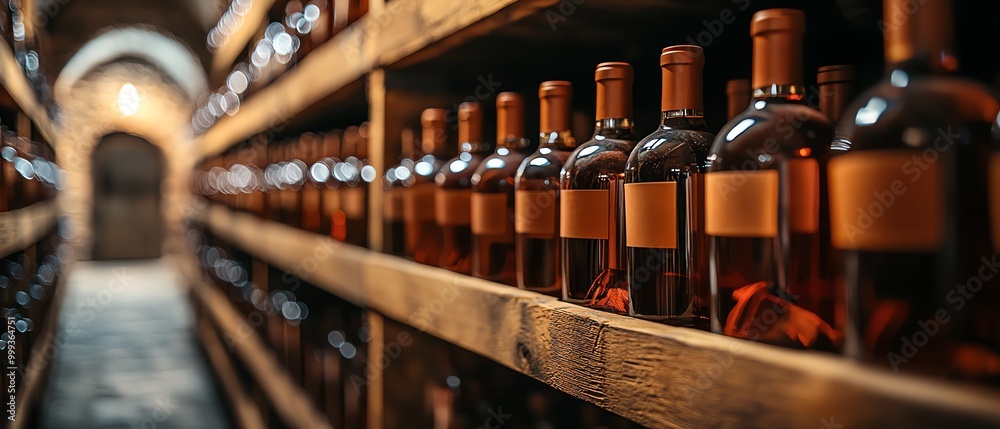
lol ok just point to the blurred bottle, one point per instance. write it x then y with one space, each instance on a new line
423 236
453 197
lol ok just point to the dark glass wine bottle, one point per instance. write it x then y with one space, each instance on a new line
909 208
764 193
453 197
493 195
393 223
423 236
664 201
536 195
591 201
330 200
313 183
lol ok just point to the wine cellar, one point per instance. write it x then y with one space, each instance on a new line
499 214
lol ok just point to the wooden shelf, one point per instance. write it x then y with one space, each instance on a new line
227 54
13 79
21 228
289 401
657 375
382 37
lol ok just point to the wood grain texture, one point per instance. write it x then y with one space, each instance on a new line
288 399
24 227
13 79
657 375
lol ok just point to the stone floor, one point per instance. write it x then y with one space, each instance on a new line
131 359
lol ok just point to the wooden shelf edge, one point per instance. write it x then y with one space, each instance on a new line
657 375
21 228
13 79
399 29
40 363
290 401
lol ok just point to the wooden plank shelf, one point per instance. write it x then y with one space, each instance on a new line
21 228
16 83
659 376
382 37
289 400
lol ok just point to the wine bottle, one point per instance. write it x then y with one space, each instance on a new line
909 208
493 195
316 174
737 96
356 173
591 201
764 193
393 224
536 195
331 191
423 236
664 201
453 196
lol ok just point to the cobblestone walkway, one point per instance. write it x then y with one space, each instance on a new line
131 359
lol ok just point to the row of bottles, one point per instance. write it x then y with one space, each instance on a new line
874 237
28 173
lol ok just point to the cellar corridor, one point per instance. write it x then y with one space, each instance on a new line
129 358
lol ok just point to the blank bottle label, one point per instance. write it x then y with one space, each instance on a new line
651 215
995 198
584 213
418 203
489 214
453 207
331 201
353 200
392 204
883 201
535 212
741 203
803 195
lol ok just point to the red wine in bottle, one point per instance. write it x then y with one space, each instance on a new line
664 201
453 197
536 195
763 197
909 208
423 236
493 195
591 201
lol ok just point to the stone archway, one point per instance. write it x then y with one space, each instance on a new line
127 174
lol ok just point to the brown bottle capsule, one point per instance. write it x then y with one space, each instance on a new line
924 31
510 117
470 123
738 96
682 70
434 135
614 90
835 89
777 46
554 97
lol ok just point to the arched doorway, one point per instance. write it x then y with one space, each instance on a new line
128 175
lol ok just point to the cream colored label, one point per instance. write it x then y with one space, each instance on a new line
353 201
535 212
418 203
453 207
803 195
994 192
651 215
489 214
331 201
883 201
584 213
741 203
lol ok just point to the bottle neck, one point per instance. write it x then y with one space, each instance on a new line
776 92
918 41
473 147
557 139
683 119
619 128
